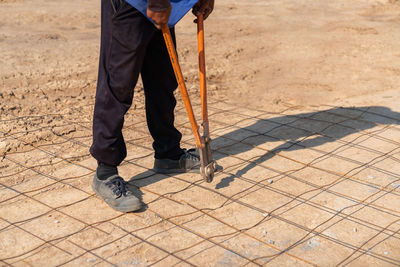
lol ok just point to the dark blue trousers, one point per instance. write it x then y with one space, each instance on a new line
130 44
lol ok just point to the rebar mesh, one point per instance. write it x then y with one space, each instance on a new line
306 186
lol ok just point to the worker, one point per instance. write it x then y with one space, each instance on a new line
131 43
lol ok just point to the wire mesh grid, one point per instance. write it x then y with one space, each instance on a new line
305 186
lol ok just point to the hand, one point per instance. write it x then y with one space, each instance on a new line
204 7
159 18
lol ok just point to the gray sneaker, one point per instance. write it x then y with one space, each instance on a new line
188 162
115 193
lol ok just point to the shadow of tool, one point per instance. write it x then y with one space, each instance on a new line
296 132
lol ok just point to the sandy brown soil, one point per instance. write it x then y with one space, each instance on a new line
269 63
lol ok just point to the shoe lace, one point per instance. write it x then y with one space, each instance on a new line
118 186
189 154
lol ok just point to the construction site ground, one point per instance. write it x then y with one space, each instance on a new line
304 106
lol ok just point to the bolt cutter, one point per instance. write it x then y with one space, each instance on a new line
208 165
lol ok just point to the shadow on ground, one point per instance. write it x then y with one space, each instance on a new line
300 131
290 132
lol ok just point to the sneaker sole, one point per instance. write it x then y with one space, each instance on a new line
171 171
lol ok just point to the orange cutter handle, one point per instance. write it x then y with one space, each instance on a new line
202 73
181 83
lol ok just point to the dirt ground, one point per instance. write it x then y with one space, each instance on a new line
304 111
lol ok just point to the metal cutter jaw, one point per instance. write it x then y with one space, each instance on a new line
207 165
